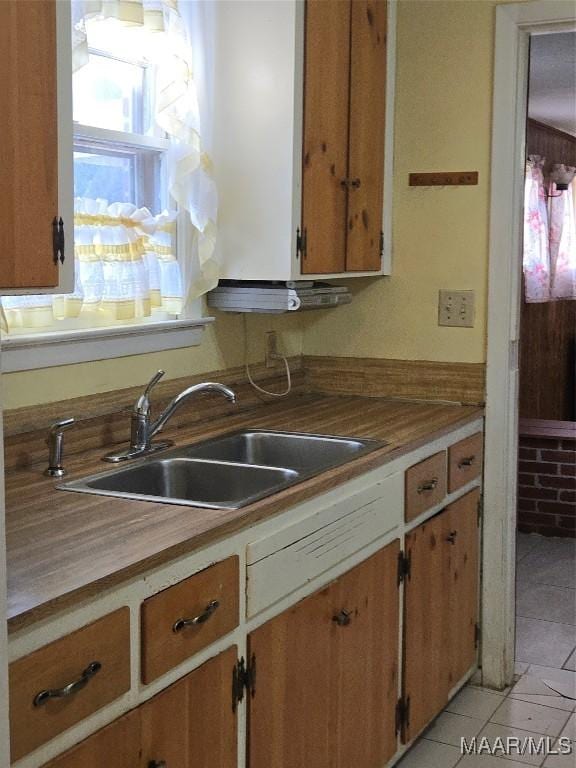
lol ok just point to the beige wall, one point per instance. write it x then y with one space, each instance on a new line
222 347
440 236
443 117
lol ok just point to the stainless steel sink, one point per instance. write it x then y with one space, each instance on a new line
227 472
307 454
192 482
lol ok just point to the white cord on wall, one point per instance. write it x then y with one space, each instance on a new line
277 356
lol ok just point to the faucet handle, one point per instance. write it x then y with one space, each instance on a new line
153 381
142 405
57 427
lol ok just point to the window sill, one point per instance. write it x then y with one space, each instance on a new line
29 352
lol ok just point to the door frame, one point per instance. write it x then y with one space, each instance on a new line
515 23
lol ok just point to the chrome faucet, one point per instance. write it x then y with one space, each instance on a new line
143 430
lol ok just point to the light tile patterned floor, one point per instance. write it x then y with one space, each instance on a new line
542 701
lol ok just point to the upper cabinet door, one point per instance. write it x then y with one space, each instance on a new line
325 150
36 104
367 130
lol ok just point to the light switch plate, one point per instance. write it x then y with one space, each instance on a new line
456 308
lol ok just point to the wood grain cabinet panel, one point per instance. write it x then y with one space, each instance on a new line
440 610
116 746
425 485
464 461
367 128
325 151
464 584
192 724
189 725
29 146
208 601
326 674
344 126
107 642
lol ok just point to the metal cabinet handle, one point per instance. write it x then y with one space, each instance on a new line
429 485
467 461
181 624
451 538
58 243
157 764
342 618
68 690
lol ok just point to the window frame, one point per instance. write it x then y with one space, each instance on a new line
45 349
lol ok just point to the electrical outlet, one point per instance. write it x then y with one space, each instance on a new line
271 349
456 308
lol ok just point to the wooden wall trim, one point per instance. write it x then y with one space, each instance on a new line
103 420
410 379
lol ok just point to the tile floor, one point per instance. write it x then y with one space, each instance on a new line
542 701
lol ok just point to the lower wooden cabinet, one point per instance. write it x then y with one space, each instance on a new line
440 610
327 674
189 725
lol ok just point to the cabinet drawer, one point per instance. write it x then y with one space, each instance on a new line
464 461
425 485
183 619
295 555
96 657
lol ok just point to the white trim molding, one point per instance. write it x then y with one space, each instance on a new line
46 350
514 24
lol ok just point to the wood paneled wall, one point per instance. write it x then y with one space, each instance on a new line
548 332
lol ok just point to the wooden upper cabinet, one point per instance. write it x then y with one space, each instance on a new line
327 674
31 190
366 143
325 150
344 127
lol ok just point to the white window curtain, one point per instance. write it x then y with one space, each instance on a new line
549 257
125 263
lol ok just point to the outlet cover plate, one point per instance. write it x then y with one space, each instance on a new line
456 308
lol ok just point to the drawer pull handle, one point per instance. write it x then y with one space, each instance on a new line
68 690
451 538
466 462
157 764
342 618
430 485
181 624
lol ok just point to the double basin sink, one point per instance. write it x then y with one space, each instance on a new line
227 472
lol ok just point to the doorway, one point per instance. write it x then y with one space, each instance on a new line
546 507
516 24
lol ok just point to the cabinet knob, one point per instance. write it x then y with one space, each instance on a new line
342 618
451 538
350 183
466 462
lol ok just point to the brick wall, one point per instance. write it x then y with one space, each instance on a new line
547 482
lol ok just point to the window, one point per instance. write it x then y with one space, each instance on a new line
126 269
145 200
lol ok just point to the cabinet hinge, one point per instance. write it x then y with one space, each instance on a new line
402 714
476 635
243 679
404 566
58 240
480 510
301 243
381 243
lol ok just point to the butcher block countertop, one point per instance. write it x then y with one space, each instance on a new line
62 547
